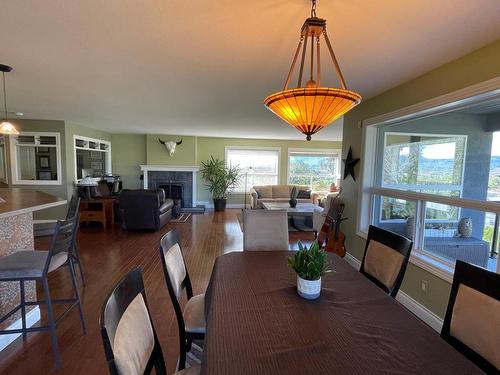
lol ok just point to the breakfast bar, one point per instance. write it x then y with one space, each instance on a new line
16 233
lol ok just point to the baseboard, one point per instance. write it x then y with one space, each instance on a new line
431 319
32 317
208 204
422 312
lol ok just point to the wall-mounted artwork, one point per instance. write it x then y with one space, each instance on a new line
96 155
97 165
44 161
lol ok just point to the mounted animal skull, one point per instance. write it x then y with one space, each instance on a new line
170 145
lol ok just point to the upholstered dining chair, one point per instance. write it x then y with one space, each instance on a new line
385 259
128 334
35 265
472 321
265 230
47 229
191 321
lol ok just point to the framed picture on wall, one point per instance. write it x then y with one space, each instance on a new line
44 161
97 165
43 149
96 155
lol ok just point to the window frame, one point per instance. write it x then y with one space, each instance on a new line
367 189
3 141
254 148
14 160
311 151
107 153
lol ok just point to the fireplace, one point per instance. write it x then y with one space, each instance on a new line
179 182
173 191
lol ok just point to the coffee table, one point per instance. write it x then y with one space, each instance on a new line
303 210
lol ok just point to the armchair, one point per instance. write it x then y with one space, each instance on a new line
144 209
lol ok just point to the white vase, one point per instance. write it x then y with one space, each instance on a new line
308 289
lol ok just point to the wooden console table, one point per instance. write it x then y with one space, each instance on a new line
99 210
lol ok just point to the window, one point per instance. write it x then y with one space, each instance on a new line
36 158
259 166
315 168
436 179
92 157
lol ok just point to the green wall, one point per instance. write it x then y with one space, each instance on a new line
185 154
473 68
128 152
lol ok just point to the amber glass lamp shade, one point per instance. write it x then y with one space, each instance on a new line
6 127
311 109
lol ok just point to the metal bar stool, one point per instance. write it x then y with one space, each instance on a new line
47 229
35 265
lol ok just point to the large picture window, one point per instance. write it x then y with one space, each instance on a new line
36 158
259 166
316 168
435 179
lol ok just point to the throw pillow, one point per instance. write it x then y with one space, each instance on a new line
304 194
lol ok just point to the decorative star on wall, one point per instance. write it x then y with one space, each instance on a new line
349 163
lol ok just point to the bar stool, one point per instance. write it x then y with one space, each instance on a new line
35 265
47 229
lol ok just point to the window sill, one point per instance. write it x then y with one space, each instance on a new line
37 182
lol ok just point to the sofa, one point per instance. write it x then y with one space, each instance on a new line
144 209
280 193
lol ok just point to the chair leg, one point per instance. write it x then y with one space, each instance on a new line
23 309
52 323
77 256
160 368
189 343
77 293
182 354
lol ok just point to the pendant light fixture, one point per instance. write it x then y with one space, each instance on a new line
6 127
312 107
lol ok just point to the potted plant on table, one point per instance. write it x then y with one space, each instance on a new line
310 264
220 180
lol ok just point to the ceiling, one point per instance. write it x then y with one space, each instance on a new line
203 67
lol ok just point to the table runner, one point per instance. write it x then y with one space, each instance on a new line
257 324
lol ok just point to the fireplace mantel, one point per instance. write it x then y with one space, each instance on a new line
147 169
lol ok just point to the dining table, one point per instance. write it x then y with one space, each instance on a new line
258 324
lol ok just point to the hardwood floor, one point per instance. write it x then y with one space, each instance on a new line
107 256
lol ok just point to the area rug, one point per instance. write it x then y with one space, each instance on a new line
182 219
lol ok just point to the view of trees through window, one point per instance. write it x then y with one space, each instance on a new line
427 163
317 170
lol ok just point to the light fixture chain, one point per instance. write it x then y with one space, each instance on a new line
4 96
313 8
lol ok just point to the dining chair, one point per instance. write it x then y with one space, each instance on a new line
130 342
191 321
385 259
265 230
35 265
472 321
47 229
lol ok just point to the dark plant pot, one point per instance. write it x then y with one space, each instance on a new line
293 202
220 204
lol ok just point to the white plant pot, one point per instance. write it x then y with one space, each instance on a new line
308 289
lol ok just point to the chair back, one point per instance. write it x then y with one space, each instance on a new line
473 313
386 258
128 335
62 244
73 207
176 274
265 230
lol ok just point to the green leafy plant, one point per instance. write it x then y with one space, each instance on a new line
219 179
310 264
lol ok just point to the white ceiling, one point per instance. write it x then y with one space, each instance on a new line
203 67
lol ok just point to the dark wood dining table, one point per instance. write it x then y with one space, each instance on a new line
257 324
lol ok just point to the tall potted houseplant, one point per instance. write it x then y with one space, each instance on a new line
310 264
220 180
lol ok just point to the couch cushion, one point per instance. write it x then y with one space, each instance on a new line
383 263
264 191
281 191
304 194
168 205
